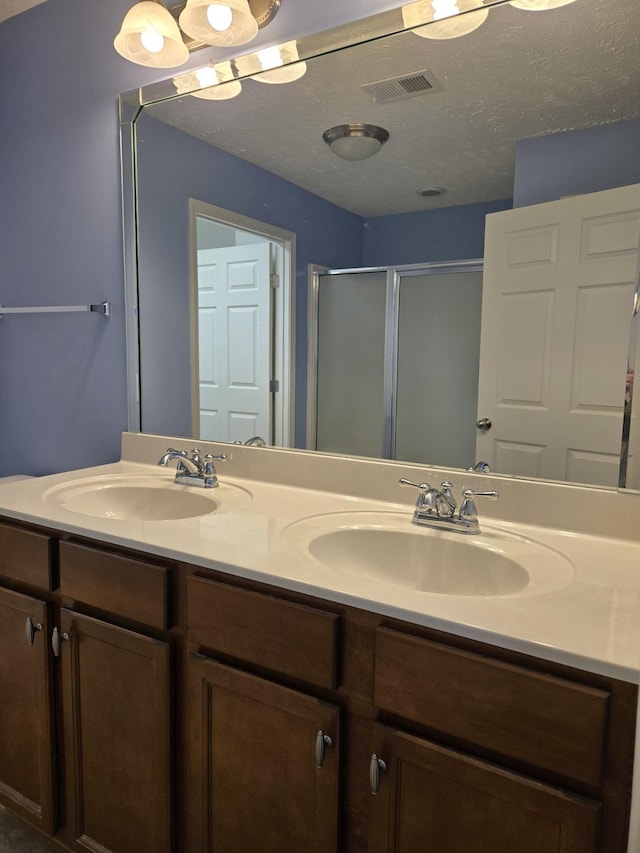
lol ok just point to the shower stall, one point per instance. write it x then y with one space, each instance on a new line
393 361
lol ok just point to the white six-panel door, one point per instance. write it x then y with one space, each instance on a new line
234 342
556 311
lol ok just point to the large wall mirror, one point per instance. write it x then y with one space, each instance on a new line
526 110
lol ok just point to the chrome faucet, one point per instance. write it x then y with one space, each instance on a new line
193 470
256 441
437 507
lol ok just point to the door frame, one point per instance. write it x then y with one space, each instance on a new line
282 313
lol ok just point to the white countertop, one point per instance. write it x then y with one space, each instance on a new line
589 619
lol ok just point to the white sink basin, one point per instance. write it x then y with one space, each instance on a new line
384 547
130 497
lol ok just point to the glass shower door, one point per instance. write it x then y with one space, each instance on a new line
352 311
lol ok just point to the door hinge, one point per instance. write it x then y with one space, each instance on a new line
274 385
274 280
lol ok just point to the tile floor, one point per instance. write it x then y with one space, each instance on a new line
18 837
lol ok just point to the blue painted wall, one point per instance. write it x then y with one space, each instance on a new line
444 234
172 168
580 161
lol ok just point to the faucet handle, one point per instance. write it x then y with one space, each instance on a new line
427 498
468 511
208 469
424 487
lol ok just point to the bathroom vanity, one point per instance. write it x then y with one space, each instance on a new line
217 682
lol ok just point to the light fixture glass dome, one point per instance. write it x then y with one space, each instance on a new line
446 20
278 64
197 17
539 5
355 141
211 83
150 36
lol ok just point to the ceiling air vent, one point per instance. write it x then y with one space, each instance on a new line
404 86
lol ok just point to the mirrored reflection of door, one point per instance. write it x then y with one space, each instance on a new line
559 280
234 342
437 371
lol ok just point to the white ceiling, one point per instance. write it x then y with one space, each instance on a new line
9 8
520 75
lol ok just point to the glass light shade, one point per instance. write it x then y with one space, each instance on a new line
211 83
539 5
355 141
444 15
194 20
277 64
150 36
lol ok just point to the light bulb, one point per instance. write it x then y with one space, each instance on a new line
219 17
270 58
152 41
444 7
207 77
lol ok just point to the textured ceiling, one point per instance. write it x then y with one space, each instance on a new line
9 8
519 76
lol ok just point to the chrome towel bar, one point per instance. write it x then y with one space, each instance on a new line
103 308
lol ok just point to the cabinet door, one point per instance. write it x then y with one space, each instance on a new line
432 798
26 740
256 786
116 711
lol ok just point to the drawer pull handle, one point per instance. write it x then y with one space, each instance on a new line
322 742
56 641
30 630
376 766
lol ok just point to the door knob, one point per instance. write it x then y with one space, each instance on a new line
484 424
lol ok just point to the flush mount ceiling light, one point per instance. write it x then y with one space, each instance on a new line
150 34
443 18
277 64
539 5
355 141
211 83
431 192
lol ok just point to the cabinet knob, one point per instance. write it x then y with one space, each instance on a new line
31 629
57 639
376 766
322 742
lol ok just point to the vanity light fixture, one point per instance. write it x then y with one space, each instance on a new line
278 64
355 141
150 34
211 83
443 18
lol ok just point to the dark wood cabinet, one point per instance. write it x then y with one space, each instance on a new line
27 781
86 740
117 734
182 710
265 762
427 797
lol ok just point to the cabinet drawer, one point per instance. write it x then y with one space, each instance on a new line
127 587
292 639
547 722
25 556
